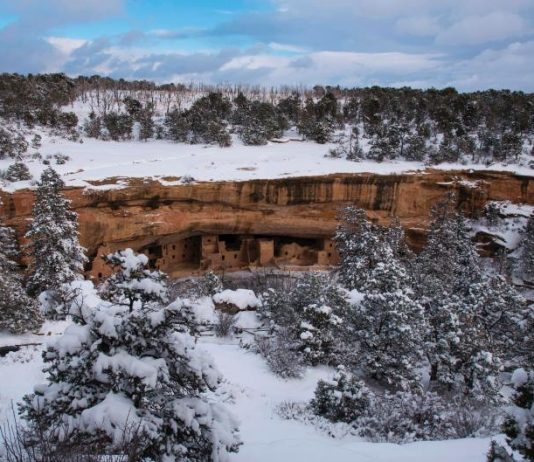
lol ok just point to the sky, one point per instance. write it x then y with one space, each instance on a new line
467 44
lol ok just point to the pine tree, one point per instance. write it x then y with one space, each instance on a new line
396 238
519 426
132 282
527 255
129 376
358 244
18 312
502 314
319 307
57 257
390 324
445 271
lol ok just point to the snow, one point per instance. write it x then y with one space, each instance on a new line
252 393
242 298
519 377
109 163
267 437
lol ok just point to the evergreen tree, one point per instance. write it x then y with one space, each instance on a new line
129 376
390 325
359 245
502 314
464 334
519 426
527 247
18 171
132 282
57 257
344 398
18 312
318 307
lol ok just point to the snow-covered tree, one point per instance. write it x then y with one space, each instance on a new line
445 272
132 282
209 284
396 239
310 316
128 376
18 312
319 334
389 325
449 258
519 426
344 398
358 244
56 255
527 247
501 313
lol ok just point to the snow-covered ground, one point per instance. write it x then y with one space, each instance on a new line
252 393
96 160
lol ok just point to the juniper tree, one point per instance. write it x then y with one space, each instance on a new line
56 255
358 244
501 313
344 398
519 426
132 282
390 325
133 377
444 272
18 312
527 246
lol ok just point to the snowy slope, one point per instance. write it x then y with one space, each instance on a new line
252 394
268 438
96 160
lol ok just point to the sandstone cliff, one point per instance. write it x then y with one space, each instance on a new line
294 216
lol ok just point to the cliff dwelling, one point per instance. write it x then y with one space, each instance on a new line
230 252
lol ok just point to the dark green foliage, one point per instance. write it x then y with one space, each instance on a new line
12 144
204 122
260 122
18 172
119 126
527 250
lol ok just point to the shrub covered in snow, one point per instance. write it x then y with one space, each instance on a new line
344 398
209 284
125 367
399 417
18 171
281 354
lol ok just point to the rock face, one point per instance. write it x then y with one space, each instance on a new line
284 222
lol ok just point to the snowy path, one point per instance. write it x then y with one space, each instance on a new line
268 438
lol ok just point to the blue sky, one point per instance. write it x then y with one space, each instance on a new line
469 44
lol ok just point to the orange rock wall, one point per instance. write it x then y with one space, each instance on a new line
145 213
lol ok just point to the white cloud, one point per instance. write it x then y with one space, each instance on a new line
65 44
475 30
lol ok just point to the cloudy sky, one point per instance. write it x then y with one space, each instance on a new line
469 44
